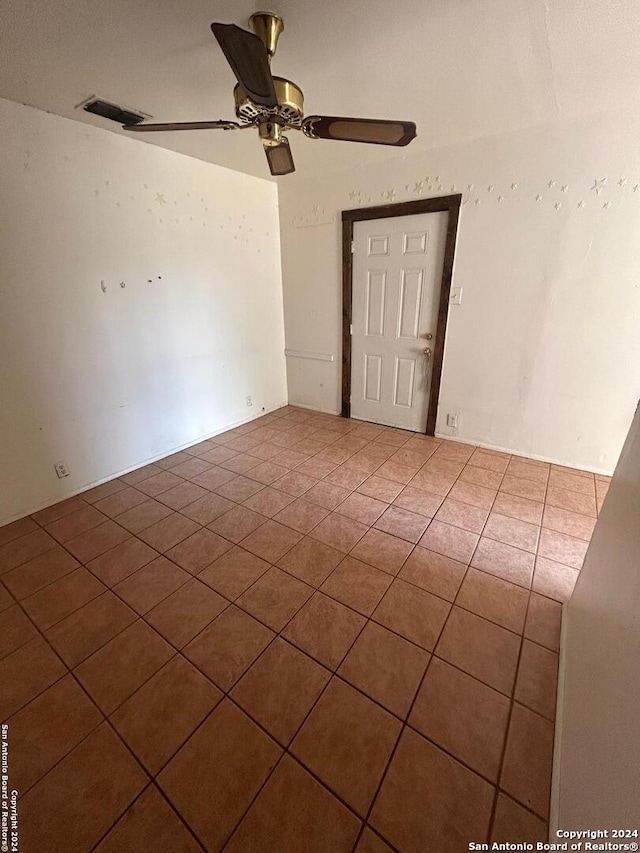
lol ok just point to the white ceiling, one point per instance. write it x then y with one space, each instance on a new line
460 69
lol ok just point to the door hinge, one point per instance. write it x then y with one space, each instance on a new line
353 247
351 329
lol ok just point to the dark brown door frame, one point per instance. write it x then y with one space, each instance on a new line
449 203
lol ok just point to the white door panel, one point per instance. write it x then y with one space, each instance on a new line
397 270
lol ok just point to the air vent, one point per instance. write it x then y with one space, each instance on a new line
113 112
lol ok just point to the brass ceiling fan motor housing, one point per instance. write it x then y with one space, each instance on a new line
290 104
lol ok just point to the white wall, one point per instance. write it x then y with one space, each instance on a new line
597 767
543 355
105 381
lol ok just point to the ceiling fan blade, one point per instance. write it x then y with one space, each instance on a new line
279 158
376 131
249 61
183 125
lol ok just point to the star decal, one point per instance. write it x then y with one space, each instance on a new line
598 185
606 205
581 204
500 198
389 195
622 182
636 188
353 195
470 187
514 186
418 187
477 202
490 188
160 199
558 205
564 188
551 184
539 197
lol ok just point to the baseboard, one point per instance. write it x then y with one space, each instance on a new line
313 408
141 464
554 806
522 455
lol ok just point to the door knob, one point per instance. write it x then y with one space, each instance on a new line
427 352
428 336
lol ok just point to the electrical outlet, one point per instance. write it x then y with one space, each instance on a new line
61 469
249 400
452 420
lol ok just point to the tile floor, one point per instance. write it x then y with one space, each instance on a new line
306 634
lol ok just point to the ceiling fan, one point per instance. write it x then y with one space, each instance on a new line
274 104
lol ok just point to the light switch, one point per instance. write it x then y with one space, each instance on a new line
455 297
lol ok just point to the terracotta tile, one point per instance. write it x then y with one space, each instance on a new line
456 451
346 477
409 458
357 585
512 821
295 483
271 541
164 534
324 629
275 598
523 488
150 824
491 460
445 467
347 741
140 474
382 550
385 667
527 469
459 801
302 515
217 773
339 532
86 630
25 548
182 495
239 489
433 481
326 495
537 681
143 516
234 572
463 716
200 448
372 843
310 561
504 561
17 630
494 599
25 673
512 531
118 669
433 572
151 584
401 474
554 579
362 508
412 613
228 646
103 491
521 508
77 802
481 649
59 599
481 476
165 712
379 488
6 600
58 510
207 509
218 455
544 619
279 690
214 478
450 541
48 728
582 482
462 515
191 468
96 541
240 463
159 483
526 773
120 562
316 468
478 496
172 460
198 551
562 548
186 612
268 502
39 572
16 529
292 812
402 523
267 473
570 523
120 502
